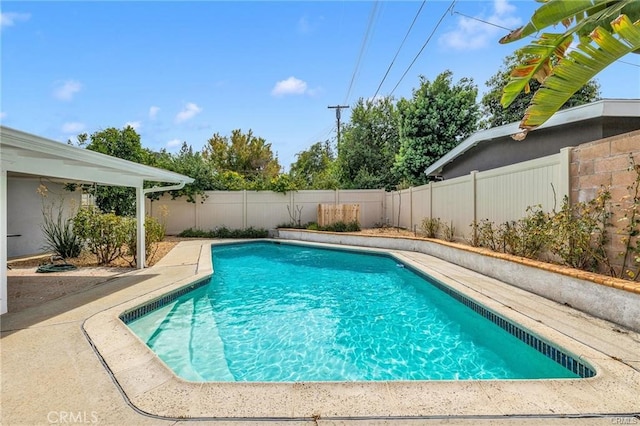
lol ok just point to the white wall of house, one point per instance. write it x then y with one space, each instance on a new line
24 212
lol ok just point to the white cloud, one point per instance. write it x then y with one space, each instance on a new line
304 26
502 7
3 115
135 124
188 112
472 34
73 127
290 86
173 143
307 26
315 92
9 19
153 112
65 90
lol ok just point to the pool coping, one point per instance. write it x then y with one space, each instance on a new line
153 389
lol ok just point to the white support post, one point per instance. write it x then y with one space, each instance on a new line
430 200
474 195
245 210
140 216
411 208
3 238
565 173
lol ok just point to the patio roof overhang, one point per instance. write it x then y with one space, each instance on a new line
25 153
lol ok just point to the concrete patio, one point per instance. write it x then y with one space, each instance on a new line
55 357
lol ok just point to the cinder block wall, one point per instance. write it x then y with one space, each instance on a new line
606 164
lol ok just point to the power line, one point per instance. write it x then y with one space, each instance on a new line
365 42
480 20
530 36
424 45
321 135
399 48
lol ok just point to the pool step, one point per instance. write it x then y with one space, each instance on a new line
173 344
192 339
207 344
148 325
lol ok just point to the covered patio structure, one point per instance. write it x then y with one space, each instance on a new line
26 154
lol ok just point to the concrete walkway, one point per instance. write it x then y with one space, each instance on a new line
52 374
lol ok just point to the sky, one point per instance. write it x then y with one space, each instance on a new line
181 71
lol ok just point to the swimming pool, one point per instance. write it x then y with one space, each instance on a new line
371 317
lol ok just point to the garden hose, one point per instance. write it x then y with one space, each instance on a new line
56 268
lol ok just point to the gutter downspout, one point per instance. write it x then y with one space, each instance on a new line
140 217
164 188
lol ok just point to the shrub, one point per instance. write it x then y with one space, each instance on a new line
431 226
474 240
353 226
336 227
104 233
630 220
59 235
487 235
575 236
154 232
194 233
449 232
252 232
578 233
529 236
224 232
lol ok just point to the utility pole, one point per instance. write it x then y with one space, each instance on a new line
338 108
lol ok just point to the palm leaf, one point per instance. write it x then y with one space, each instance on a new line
563 11
538 64
580 66
548 46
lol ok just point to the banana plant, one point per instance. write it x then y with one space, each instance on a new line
606 31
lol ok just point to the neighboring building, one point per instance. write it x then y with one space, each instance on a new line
492 148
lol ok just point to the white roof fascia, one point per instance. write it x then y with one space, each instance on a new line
26 153
602 108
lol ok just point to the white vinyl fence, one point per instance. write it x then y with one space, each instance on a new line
498 195
261 209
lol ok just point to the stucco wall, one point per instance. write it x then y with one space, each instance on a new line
24 212
606 164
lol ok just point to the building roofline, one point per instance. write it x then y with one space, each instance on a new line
20 141
601 108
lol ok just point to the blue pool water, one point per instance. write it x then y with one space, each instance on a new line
277 312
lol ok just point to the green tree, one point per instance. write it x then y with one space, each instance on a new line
606 31
283 183
369 145
314 168
188 163
123 144
245 154
496 115
437 118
